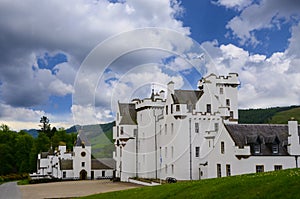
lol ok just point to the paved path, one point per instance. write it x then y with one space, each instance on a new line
72 188
10 190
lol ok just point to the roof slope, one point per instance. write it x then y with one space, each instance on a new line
66 164
186 96
263 134
128 113
99 164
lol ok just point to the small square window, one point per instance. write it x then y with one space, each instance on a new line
277 167
259 168
83 164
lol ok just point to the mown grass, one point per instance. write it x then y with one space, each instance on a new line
279 184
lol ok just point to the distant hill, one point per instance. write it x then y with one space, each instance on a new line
101 139
99 135
275 115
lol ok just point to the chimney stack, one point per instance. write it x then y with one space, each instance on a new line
293 139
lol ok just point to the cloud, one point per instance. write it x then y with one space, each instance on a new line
73 28
236 4
265 82
263 15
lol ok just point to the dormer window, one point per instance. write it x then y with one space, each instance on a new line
275 148
257 148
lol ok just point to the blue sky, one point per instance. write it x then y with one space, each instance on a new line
42 54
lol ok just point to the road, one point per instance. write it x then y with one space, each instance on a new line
72 188
10 190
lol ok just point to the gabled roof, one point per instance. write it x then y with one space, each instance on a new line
66 164
186 96
262 134
98 164
82 140
128 113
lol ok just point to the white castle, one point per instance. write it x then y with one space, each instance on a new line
194 134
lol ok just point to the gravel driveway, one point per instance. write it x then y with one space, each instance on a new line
72 188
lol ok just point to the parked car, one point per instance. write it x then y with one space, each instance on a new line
171 180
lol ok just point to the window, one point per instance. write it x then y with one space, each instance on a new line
221 91
121 151
122 130
172 167
197 151
171 108
166 109
172 128
227 102
228 170
103 173
172 152
219 171
177 107
117 131
83 164
222 148
259 168
64 174
257 148
83 154
275 148
160 129
141 117
216 127
166 169
231 114
190 107
166 152
166 129
208 108
196 127
277 167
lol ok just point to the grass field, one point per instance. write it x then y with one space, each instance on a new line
279 184
284 116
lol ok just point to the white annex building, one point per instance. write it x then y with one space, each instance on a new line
77 164
194 134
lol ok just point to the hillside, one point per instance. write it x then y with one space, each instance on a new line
276 115
278 184
100 137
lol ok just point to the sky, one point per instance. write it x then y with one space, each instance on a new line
53 53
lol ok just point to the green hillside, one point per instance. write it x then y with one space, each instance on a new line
283 116
276 115
100 137
279 184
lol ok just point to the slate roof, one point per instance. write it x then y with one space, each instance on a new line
264 135
82 139
186 97
128 113
66 164
98 164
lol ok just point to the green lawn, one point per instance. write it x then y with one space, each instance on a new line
279 184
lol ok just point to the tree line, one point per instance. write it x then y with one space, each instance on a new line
19 150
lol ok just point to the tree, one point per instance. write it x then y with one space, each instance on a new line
45 127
